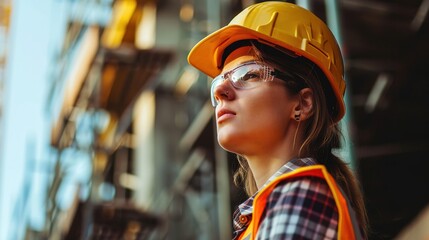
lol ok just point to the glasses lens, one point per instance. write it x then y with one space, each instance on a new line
246 76
215 83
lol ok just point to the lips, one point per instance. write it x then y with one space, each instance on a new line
224 114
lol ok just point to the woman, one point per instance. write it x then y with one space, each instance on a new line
278 92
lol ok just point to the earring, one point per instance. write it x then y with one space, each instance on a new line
297 115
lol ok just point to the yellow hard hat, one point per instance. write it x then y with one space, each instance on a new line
282 24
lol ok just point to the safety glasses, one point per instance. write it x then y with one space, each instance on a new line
246 76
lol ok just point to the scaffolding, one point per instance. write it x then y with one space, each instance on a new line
153 169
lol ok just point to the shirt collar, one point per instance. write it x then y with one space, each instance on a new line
246 207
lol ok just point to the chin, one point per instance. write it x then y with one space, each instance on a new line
231 143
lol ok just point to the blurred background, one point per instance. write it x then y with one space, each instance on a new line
107 133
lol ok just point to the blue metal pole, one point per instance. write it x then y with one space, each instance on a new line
347 151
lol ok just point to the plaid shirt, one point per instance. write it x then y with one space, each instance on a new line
303 208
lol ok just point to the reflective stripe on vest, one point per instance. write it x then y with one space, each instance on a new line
348 228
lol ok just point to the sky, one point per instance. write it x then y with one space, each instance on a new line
25 157
27 160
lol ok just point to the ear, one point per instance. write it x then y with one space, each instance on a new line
304 109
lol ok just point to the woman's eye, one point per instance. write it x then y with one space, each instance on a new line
250 76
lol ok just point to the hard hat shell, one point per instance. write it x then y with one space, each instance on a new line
282 24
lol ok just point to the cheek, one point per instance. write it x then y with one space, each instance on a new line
262 119
268 122
271 108
269 113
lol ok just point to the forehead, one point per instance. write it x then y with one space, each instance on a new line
238 56
237 61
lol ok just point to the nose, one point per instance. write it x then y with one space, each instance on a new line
223 91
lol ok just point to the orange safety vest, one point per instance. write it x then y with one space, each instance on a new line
348 228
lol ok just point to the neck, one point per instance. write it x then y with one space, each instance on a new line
263 166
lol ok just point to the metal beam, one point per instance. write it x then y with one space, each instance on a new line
347 151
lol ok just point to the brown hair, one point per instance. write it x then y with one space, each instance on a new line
321 133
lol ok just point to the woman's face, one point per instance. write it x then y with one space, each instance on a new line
251 121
